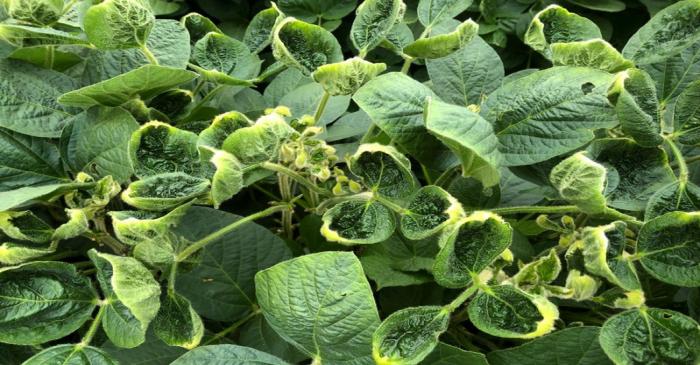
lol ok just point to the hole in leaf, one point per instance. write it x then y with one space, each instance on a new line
587 88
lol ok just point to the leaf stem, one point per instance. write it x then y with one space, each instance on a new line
390 204
196 246
462 298
536 209
50 56
295 176
683 173
233 327
203 101
407 65
172 275
90 334
321 106
149 55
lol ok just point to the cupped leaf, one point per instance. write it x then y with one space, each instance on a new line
198 26
259 142
667 33
304 46
383 169
164 191
430 210
221 127
555 24
344 78
373 22
312 10
432 12
595 53
135 227
43 301
227 180
223 59
131 295
469 248
17 252
144 82
331 320
258 34
177 323
409 335
651 335
118 24
669 248
71 355
549 113
506 311
25 226
634 96
41 12
673 197
604 255
544 270
358 221
581 181
469 136
444 44
158 148
686 115
227 354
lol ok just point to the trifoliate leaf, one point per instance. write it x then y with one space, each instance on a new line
258 34
177 323
304 46
221 127
223 59
430 210
373 21
673 197
259 142
432 12
358 221
444 44
581 181
164 191
383 169
344 78
118 24
555 24
634 96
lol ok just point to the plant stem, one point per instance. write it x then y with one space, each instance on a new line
198 87
149 55
536 209
202 102
461 298
390 204
171 277
688 161
286 193
406 65
295 176
233 327
321 106
93 327
683 173
446 176
196 246
50 55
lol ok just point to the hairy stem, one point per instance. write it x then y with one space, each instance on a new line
90 334
172 275
683 173
321 106
149 55
406 65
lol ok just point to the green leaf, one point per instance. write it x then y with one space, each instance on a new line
258 34
544 270
468 75
223 59
399 36
344 78
333 315
470 247
555 24
152 352
198 26
431 12
118 24
20 36
445 354
508 312
135 227
132 297
311 10
669 248
19 197
674 74
651 335
570 346
53 304
399 262
177 323
164 191
96 142
73 355
304 46
374 19
430 210
444 44
25 226
686 115
258 334
581 181
358 221
383 169
227 354
144 82
33 111
668 33
42 12
595 53
221 127
409 335
158 148
259 142
221 286
549 113
27 161
604 255
634 96
469 136
673 197
227 180
395 103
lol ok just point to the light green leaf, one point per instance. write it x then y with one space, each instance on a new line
468 75
544 270
444 44
668 33
221 127
27 161
669 248
431 12
358 221
223 59
575 345
508 312
227 180
132 296
673 197
164 191
304 46
17 252
177 323
158 148
259 142
470 247
33 111
374 19
344 78
311 10
77 224
20 36
555 24
258 34
323 304
469 136
686 115
53 304
581 181
604 255
634 96
96 142
430 210
384 170
595 53
227 354
144 82
549 113
118 24
651 335
25 226
409 335
42 12
135 227
71 355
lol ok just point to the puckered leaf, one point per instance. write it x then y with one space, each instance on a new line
373 21
232 354
580 181
333 319
158 148
595 53
221 127
673 197
344 78
118 24
223 59
383 169
164 191
444 44
135 227
604 255
73 355
177 323
258 34
198 26
674 74
634 96
544 270
42 12
259 142
227 180
358 221
430 210
555 24
686 115
304 46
